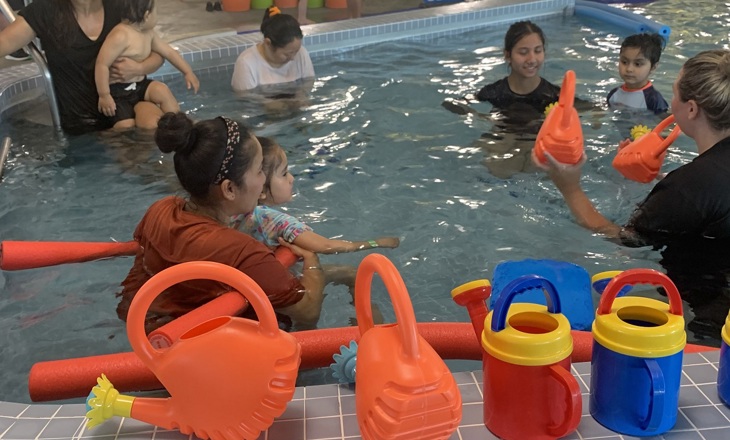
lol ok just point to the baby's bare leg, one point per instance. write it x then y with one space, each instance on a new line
161 95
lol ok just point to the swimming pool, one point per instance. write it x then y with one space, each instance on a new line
374 154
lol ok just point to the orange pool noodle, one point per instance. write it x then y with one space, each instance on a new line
18 255
70 378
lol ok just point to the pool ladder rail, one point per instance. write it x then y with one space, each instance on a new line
4 150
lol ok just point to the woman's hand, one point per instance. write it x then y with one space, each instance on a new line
388 242
296 250
125 70
566 177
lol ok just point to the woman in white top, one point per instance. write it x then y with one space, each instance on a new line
279 59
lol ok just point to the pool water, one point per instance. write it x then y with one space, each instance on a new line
374 154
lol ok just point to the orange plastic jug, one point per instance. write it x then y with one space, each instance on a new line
561 133
642 158
404 389
228 377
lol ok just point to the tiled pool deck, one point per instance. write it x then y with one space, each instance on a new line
327 412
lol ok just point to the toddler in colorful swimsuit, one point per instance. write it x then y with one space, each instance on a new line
638 58
268 225
271 226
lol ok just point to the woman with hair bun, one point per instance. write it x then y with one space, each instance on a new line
279 58
219 163
687 214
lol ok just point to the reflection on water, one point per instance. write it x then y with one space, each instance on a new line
374 154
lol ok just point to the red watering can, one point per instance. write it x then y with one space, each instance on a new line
404 389
561 133
228 377
529 393
642 158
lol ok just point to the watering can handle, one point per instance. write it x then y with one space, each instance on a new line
520 285
574 401
640 276
658 394
676 131
194 270
406 318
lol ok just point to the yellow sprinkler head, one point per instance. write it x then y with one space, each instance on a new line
105 402
638 131
550 107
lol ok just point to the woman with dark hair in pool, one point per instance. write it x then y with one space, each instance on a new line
279 59
518 102
219 163
687 214
522 94
71 33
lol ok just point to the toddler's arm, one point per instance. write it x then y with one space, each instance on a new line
113 47
322 245
177 60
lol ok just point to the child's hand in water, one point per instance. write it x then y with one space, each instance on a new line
192 81
623 144
388 242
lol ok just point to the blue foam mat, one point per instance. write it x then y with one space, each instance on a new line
571 281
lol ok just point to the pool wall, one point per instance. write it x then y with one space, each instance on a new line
218 52
23 83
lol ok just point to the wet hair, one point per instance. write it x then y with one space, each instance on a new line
706 80
133 10
273 157
280 29
649 45
199 151
518 31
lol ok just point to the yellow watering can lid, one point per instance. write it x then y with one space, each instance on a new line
642 327
476 284
532 336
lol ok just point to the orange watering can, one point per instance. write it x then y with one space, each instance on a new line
404 389
642 158
561 133
228 377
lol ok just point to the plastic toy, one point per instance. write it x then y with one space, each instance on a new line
561 133
343 367
641 159
572 284
473 295
529 392
600 280
723 374
637 357
218 389
404 389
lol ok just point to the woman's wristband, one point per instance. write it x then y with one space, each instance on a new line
373 244
313 268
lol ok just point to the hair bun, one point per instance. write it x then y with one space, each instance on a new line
175 132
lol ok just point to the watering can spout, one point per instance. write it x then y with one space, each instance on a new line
105 402
567 99
473 295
